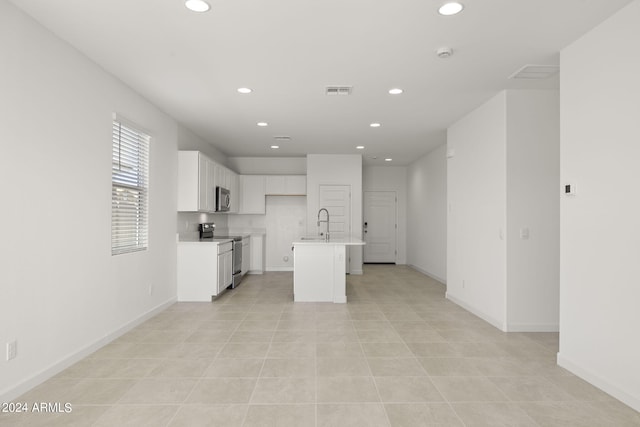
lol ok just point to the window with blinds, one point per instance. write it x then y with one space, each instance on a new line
129 189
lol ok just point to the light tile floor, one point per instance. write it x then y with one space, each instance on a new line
397 354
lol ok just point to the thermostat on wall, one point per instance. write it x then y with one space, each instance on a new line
570 189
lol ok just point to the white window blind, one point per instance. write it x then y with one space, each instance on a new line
130 189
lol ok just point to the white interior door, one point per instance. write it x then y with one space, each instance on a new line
380 226
337 200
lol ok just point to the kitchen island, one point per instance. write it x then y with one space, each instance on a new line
319 269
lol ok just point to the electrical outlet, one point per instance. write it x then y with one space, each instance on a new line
12 350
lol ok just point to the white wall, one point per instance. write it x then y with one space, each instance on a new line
427 214
335 169
391 178
285 222
268 165
600 234
187 140
533 204
62 293
503 180
476 223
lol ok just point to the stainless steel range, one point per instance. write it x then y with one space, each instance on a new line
207 232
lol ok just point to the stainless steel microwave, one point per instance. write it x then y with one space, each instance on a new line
223 199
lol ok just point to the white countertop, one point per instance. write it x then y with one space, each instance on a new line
240 231
190 239
315 240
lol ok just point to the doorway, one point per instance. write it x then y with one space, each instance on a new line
380 226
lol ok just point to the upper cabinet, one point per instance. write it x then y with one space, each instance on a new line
226 178
254 188
198 177
196 182
252 192
222 176
286 185
234 188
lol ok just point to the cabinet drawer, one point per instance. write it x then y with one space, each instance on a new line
225 247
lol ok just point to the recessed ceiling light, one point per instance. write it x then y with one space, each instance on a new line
451 8
387 160
197 5
375 125
262 124
395 91
360 147
244 90
275 147
444 52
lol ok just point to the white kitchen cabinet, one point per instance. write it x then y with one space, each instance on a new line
256 265
221 176
204 178
225 270
210 200
252 194
286 185
246 255
234 187
295 185
226 178
198 270
274 184
196 182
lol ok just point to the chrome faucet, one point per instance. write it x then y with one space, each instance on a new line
326 236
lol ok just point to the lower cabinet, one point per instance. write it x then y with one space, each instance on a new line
225 270
246 255
202 272
256 265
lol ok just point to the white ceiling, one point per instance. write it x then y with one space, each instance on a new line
287 51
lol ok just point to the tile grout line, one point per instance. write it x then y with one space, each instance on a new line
373 378
532 350
255 386
199 381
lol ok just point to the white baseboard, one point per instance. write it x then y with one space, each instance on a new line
533 327
598 381
426 273
356 272
495 322
279 268
12 392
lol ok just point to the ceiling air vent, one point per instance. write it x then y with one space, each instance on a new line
535 72
282 138
338 90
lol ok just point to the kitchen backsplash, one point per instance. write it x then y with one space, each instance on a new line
187 225
246 222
